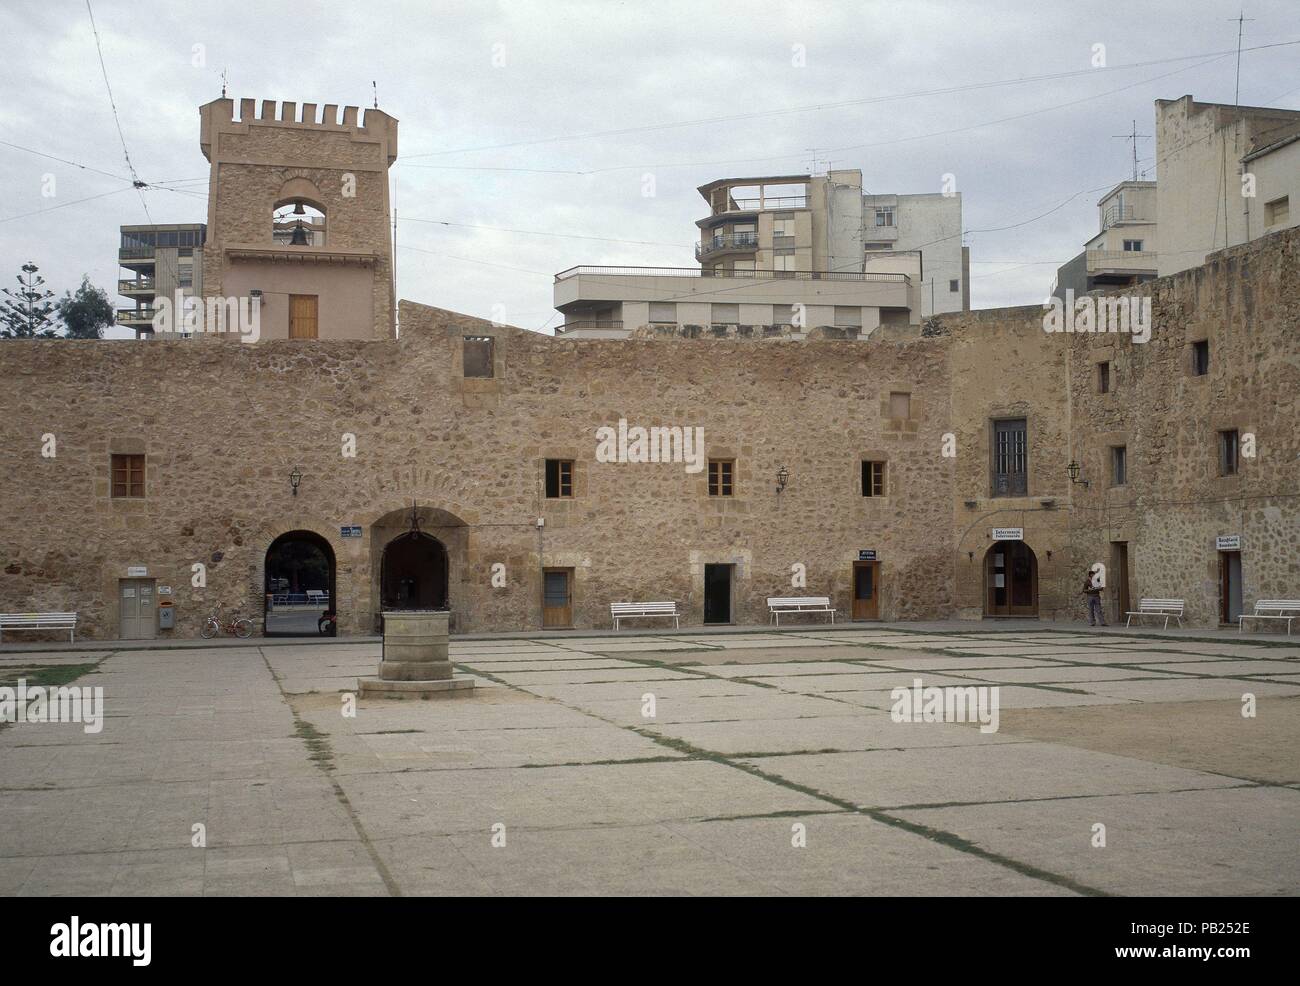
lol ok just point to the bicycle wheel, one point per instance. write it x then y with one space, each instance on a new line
210 628
243 629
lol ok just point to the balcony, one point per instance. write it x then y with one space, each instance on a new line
1117 214
135 254
588 324
135 316
579 290
726 243
1121 260
139 285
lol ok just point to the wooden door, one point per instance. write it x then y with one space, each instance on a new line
866 590
1119 580
303 312
1011 580
136 607
1230 606
557 598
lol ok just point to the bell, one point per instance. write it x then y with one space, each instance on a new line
298 210
299 235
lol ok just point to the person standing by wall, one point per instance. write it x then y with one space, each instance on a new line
1092 586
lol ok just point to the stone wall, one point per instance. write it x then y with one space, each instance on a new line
222 425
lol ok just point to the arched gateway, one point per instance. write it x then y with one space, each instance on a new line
299 584
1010 580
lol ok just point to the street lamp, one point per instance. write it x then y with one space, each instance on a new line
1072 470
295 478
782 478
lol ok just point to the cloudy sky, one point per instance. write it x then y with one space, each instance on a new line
531 127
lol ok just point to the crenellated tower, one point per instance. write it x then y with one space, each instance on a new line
298 215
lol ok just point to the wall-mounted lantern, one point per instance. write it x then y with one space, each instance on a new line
1072 470
782 478
295 478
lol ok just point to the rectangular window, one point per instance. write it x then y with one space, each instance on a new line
1278 211
1201 358
559 479
1118 465
724 314
1103 378
1010 458
478 356
900 405
848 316
783 262
873 478
954 286
721 472
663 311
885 217
1228 452
783 226
128 475
1132 246
745 265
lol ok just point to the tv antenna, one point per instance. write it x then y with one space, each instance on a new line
1134 138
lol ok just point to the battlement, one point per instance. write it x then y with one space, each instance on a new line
219 115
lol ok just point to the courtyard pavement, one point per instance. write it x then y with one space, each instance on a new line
770 765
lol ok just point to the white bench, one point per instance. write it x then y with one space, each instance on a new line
1166 608
317 597
39 621
776 605
1272 609
624 611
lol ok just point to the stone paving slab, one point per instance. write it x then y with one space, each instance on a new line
866 729
979 773
299 799
1155 845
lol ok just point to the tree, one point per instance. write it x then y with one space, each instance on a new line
28 312
87 313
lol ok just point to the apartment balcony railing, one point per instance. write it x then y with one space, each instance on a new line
135 284
1115 214
763 203
1125 259
726 241
796 275
588 323
134 316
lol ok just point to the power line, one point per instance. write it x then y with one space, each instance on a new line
64 205
538 232
947 90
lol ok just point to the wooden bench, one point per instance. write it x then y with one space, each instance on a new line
1272 609
1158 608
624 611
776 605
39 621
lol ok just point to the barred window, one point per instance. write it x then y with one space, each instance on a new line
128 475
721 472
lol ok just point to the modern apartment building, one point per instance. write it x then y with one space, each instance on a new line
784 255
1228 174
1124 250
162 260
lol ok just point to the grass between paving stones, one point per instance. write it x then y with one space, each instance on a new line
318 745
46 675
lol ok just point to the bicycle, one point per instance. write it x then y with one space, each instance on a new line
214 625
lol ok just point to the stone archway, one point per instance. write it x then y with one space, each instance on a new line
299 579
413 573
417 565
1010 579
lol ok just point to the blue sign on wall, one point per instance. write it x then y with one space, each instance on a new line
350 532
